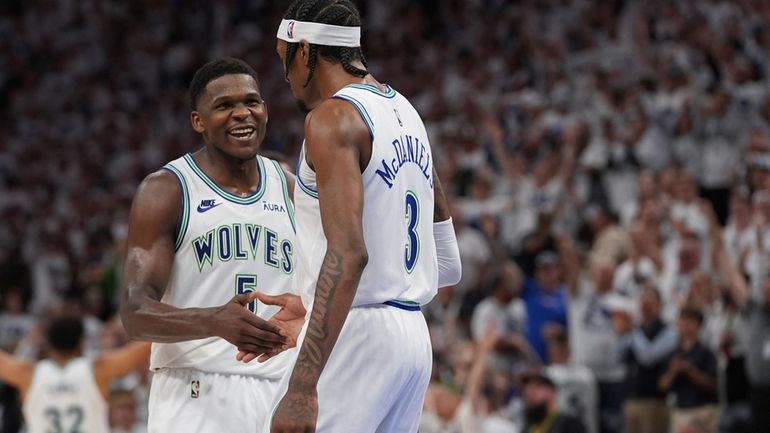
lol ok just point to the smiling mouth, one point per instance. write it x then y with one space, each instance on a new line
243 133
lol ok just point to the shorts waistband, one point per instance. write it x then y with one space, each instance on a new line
403 305
396 303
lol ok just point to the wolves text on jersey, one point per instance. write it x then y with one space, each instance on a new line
242 242
407 149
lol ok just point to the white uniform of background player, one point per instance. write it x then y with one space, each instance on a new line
65 399
226 245
377 374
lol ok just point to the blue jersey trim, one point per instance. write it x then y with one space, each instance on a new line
306 188
184 216
286 200
403 306
310 191
251 199
389 93
361 111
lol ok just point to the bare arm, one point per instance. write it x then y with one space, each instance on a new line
150 254
570 262
722 261
475 378
674 369
701 378
119 362
335 136
682 366
16 372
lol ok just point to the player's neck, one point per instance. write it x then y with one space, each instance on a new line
63 359
332 77
228 171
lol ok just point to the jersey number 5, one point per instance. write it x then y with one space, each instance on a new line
247 283
412 240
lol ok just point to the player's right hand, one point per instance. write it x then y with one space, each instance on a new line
246 331
291 318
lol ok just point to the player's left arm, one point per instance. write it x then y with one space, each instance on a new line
447 251
335 138
16 372
119 362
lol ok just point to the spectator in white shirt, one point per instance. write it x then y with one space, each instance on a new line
576 385
122 413
504 313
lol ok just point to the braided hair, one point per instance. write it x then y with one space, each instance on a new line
333 12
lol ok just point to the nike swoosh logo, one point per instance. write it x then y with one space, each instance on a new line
207 208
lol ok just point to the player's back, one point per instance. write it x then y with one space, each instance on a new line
65 399
397 210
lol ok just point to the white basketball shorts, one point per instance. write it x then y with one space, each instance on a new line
190 401
376 376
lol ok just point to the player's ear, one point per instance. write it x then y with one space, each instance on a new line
304 52
197 122
264 107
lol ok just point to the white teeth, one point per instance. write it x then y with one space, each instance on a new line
242 131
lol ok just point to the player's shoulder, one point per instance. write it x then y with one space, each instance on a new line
162 184
158 199
332 109
335 119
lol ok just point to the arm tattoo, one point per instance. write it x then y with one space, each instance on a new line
316 348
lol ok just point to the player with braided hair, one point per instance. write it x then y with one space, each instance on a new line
374 241
341 13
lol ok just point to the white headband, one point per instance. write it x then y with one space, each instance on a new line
320 34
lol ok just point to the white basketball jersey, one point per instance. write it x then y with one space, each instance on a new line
397 211
65 399
226 245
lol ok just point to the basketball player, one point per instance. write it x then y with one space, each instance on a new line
206 233
367 253
67 393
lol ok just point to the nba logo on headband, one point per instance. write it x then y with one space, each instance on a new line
319 33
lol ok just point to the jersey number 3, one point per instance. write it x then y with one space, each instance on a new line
73 416
412 240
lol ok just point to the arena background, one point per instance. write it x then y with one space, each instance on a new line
590 149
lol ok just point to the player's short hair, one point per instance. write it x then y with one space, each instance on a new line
334 12
64 333
213 70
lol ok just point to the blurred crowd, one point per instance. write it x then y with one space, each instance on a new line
608 164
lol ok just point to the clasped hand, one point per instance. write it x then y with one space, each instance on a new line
253 336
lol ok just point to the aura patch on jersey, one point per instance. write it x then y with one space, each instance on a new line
243 242
406 150
273 207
